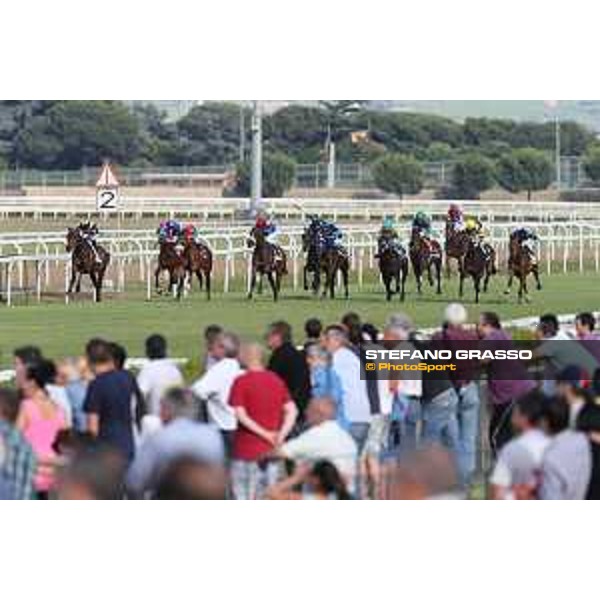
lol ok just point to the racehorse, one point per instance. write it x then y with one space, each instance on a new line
86 260
479 263
522 261
267 259
424 254
198 260
393 264
324 260
456 245
170 259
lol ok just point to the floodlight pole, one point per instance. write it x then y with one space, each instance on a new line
256 177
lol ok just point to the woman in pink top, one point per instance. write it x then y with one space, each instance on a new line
40 420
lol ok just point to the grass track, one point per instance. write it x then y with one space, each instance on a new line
62 330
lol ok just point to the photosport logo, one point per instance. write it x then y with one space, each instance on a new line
445 358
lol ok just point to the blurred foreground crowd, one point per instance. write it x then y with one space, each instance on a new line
296 421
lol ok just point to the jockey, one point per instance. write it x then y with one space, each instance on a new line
455 217
388 237
169 231
89 232
473 226
268 227
422 225
524 233
329 234
190 233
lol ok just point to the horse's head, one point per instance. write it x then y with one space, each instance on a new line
73 237
529 249
256 238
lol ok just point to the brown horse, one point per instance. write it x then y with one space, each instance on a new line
456 246
478 263
87 258
170 259
393 265
198 260
426 254
522 261
326 260
267 259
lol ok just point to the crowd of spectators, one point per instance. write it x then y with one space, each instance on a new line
298 419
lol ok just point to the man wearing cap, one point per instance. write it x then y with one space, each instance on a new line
571 384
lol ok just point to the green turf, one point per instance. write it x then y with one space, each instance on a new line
62 330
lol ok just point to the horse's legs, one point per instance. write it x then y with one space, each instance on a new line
259 291
78 284
156 279
331 283
387 282
72 282
476 285
417 270
94 278
438 275
461 281
536 275
252 284
316 281
207 276
403 276
305 277
273 285
509 283
199 277
345 280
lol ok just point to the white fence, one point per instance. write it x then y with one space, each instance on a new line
565 246
73 207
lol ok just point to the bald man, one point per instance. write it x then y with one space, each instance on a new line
265 414
324 440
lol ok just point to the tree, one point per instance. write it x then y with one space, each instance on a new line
472 175
71 134
278 174
591 164
525 169
398 174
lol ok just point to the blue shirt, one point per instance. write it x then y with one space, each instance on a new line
76 391
326 382
110 396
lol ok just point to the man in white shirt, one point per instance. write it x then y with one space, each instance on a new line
215 385
520 460
356 398
159 374
323 440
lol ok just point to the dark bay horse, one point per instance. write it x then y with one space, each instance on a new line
170 259
478 263
456 245
426 254
267 259
87 258
522 261
393 265
327 261
198 260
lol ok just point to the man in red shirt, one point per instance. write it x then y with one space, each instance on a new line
266 414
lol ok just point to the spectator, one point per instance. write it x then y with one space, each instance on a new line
76 376
40 420
352 324
57 391
325 382
570 384
22 357
321 481
192 479
588 422
558 350
158 374
266 415
369 333
214 387
289 363
211 335
567 463
93 473
180 437
347 366
108 402
454 335
323 440
585 325
313 328
19 466
502 390
520 460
